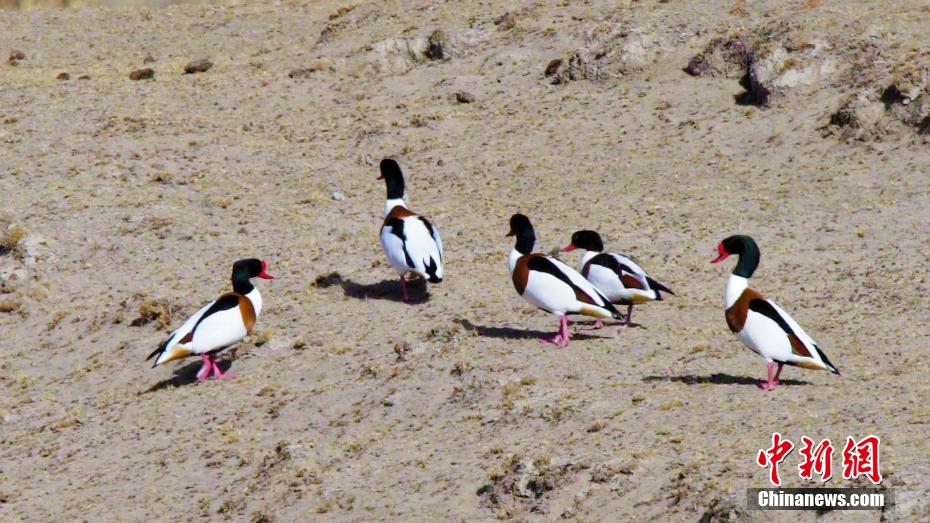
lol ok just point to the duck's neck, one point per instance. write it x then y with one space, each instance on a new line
748 261
735 287
390 203
242 285
256 298
514 256
587 257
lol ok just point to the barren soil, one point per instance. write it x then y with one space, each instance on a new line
124 204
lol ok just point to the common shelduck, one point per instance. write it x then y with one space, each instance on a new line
410 241
219 324
618 276
551 285
761 324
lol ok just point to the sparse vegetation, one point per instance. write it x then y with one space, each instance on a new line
130 198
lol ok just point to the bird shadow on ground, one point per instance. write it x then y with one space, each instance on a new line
588 324
514 333
185 376
383 290
718 379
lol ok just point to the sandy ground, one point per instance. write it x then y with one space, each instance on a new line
125 202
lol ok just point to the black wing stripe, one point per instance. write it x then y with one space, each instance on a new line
542 264
225 302
606 260
397 229
765 308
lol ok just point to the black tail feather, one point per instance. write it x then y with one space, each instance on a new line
431 270
160 349
656 286
826 360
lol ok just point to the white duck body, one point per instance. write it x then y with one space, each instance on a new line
608 276
555 294
214 327
768 330
410 242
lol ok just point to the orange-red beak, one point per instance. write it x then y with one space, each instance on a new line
571 247
722 252
264 275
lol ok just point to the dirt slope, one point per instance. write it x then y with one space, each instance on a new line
125 197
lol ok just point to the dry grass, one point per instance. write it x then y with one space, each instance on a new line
10 305
11 238
157 311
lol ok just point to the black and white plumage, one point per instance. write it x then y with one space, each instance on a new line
409 240
219 324
760 323
551 285
618 276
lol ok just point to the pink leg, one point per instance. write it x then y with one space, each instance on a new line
205 369
597 325
561 338
220 375
565 334
778 372
770 384
403 288
629 317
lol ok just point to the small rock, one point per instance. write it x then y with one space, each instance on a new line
437 40
338 196
401 348
464 97
84 77
553 66
605 472
16 55
148 59
142 74
200 65
300 73
697 66
320 64
505 22
63 76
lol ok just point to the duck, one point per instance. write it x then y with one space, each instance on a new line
410 241
550 284
761 324
618 276
219 324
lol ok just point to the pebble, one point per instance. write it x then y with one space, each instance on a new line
464 97
63 76
142 74
200 65
553 66
16 55
505 22
436 44
338 196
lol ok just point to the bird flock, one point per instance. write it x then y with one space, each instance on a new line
603 281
